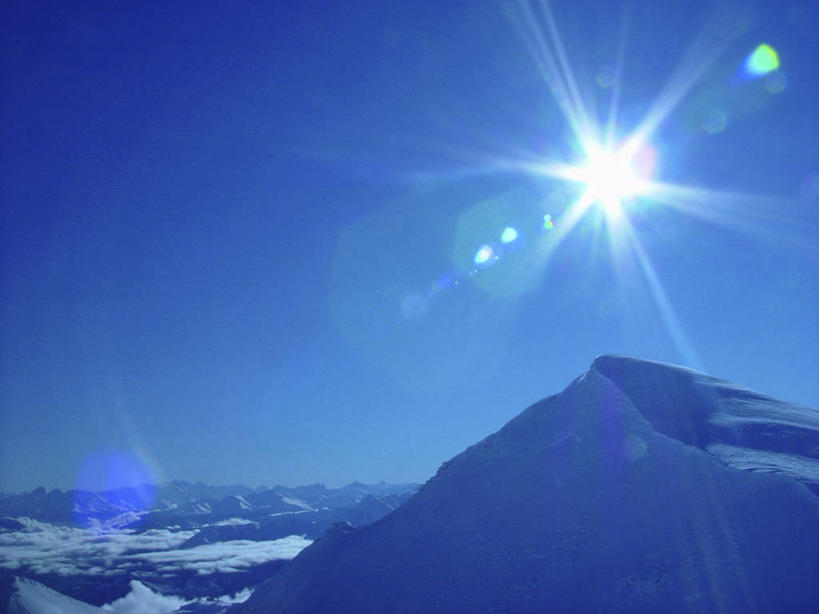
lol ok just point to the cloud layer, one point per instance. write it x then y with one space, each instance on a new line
43 548
142 600
225 557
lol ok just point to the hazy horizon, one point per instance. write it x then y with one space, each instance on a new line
198 482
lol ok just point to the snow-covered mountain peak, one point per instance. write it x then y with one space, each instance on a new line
608 496
743 428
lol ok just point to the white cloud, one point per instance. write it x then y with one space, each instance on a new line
46 548
142 600
226 557
233 522
240 597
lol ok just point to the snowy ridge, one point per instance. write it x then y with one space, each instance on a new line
791 465
744 429
30 597
603 498
19 595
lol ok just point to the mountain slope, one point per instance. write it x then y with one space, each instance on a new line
604 498
744 429
29 597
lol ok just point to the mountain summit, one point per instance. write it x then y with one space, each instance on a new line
641 487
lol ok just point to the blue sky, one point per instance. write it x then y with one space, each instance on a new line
238 239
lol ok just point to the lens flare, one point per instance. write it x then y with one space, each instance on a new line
107 470
508 235
548 223
763 60
483 255
605 77
715 122
775 82
618 169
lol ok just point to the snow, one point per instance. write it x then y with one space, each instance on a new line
30 597
745 459
297 503
742 428
233 522
641 487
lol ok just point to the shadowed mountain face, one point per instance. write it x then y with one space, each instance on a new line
641 487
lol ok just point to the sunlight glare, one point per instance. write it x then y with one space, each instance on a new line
616 170
610 178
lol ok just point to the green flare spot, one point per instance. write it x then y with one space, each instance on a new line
763 60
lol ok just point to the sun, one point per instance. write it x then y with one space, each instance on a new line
611 177
617 170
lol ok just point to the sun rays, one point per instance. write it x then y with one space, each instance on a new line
597 199
616 171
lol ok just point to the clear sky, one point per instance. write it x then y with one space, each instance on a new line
256 242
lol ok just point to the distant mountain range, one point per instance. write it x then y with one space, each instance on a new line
188 504
642 487
189 540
